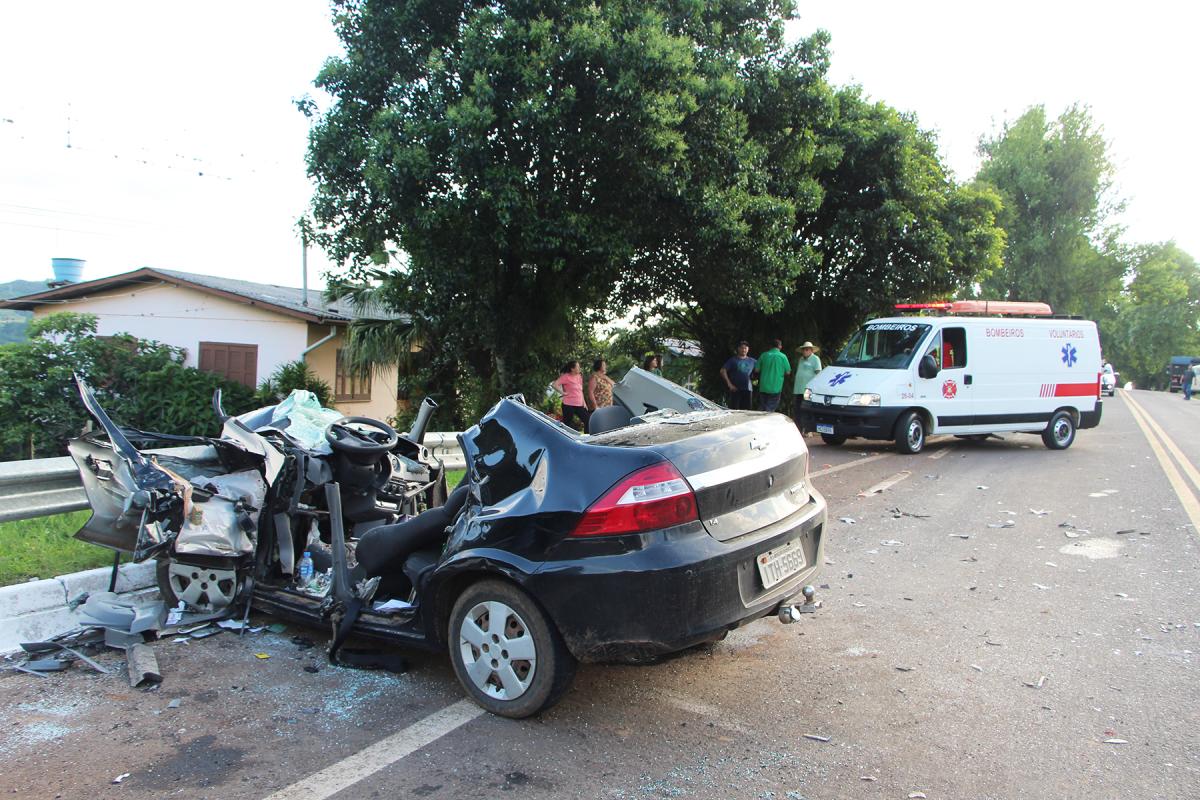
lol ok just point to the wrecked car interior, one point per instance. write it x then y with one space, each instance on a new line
557 546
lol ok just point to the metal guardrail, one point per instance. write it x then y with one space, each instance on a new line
45 486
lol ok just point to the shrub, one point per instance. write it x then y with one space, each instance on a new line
141 383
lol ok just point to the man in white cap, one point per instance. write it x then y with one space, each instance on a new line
806 369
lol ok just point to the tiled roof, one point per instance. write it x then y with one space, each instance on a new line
286 299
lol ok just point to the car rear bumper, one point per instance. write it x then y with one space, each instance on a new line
878 422
638 598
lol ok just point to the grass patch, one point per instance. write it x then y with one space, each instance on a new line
44 547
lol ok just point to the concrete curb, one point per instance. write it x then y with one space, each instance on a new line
36 610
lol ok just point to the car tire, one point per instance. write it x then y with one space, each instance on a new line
1060 433
910 433
832 440
536 682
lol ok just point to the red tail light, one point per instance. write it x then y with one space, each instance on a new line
651 498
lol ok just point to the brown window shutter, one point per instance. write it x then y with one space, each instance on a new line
236 362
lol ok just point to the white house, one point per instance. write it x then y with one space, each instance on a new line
239 329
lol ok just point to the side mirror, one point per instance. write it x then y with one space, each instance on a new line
928 367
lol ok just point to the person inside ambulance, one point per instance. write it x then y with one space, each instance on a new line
949 349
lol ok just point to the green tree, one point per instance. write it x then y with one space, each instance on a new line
528 159
1157 317
874 220
1054 179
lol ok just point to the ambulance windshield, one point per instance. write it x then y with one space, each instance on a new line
883 345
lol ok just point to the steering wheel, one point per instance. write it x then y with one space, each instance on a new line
344 438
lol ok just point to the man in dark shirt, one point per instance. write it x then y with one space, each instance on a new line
736 374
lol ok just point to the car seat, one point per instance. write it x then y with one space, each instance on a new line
383 550
608 418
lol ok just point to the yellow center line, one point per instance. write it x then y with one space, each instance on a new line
1191 471
1185 495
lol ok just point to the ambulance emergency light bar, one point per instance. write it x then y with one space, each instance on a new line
999 307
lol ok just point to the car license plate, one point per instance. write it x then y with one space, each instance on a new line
781 562
825 429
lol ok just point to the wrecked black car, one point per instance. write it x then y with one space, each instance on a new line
668 524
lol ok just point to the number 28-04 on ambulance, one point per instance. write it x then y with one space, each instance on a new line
977 368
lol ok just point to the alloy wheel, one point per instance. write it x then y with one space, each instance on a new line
497 650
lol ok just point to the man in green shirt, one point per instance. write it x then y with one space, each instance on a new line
806 369
772 366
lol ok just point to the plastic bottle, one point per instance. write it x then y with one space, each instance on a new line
304 571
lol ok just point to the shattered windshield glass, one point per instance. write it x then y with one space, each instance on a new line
883 345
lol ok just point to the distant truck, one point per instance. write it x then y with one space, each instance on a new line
1175 369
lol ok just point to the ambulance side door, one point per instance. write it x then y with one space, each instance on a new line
948 395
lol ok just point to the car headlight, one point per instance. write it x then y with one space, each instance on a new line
863 400
808 394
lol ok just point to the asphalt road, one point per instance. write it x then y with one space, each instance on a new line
989 621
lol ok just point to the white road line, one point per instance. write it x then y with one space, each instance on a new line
942 452
847 465
709 713
885 484
369 760
1185 495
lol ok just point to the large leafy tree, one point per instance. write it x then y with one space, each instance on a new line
507 174
873 220
504 168
1054 178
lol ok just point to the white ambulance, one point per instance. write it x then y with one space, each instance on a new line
985 367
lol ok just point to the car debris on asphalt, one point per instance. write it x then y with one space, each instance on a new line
897 514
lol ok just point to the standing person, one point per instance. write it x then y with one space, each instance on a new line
1185 383
599 389
806 369
736 374
652 363
570 385
772 366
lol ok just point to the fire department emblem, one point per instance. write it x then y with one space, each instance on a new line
949 390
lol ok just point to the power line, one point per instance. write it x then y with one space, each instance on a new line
18 208
52 228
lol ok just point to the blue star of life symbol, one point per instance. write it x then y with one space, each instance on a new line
1068 353
839 379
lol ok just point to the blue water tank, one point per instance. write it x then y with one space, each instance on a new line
67 270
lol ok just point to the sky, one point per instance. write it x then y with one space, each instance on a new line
165 134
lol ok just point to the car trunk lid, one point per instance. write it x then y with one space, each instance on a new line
748 469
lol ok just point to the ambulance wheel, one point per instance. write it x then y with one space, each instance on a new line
910 433
1060 432
831 440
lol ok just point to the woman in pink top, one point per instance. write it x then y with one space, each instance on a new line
570 385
